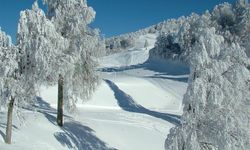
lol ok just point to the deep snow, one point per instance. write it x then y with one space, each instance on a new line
134 107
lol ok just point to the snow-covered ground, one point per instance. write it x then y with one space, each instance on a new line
134 107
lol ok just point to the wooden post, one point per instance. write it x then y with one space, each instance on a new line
60 101
9 121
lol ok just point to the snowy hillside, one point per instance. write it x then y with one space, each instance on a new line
180 85
136 104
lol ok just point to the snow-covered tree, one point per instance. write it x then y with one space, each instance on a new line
166 47
8 68
230 21
94 43
41 47
70 18
216 110
125 41
14 89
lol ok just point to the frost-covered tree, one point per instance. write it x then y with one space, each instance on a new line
125 41
41 47
216 105
70 18
8 67
230 21
166 47
177 38
14 89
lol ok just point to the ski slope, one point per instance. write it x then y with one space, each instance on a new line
136 104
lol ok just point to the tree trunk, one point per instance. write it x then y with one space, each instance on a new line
9 121
60 101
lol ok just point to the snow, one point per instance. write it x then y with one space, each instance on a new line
133 56
136 104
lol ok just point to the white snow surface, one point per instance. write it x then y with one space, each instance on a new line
136 104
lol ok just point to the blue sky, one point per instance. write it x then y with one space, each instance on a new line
115 17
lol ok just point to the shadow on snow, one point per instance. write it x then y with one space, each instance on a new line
166 67
127 103
74 135
2 134
3 126
175 78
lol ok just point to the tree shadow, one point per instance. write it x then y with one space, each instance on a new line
127 103
45 108
2 134
179 79
74 135
3 126
167 67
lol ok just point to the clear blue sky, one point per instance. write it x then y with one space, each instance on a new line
115 17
